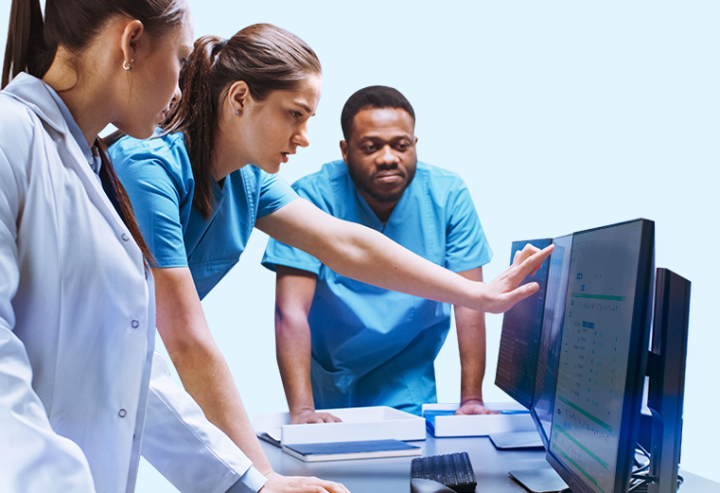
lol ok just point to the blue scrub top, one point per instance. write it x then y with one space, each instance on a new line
371 346
158 177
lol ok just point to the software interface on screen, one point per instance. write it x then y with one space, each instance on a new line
594 353
552 325
520 337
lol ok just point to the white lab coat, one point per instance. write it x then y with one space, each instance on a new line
77 328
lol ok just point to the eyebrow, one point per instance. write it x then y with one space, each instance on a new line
391 139
304 106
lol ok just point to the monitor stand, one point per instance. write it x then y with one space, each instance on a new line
516 440
541 479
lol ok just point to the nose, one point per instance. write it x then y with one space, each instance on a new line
386 156
301 137
177 95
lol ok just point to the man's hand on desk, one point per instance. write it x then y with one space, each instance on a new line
299 484
473 406
311 416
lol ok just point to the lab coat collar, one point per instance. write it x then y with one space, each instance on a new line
33 93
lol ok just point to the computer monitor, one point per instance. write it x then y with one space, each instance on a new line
666 372
603 357
550 338
520 336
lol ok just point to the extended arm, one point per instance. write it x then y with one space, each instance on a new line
294 290
207 378
366 255
199 363
470 326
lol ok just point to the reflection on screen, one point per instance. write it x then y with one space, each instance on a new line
594 352
552 326
520 336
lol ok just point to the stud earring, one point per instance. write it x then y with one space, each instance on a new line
237 112
128 66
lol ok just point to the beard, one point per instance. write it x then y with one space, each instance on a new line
364 185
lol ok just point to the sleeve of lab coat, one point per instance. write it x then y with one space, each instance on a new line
192 453
33 456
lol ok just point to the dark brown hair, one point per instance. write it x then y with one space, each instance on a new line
33 42
266 57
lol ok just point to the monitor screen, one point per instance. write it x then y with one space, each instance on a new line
550 339
602 359
520 337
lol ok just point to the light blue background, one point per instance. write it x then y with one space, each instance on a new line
560 115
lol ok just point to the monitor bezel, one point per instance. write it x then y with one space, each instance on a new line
543 334
514 393
638 352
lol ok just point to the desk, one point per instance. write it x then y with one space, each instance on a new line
392 475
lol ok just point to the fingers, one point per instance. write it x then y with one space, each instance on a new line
321 486
311 417
528 251
469 409
299 484
336 487
329 418
533 263
520 293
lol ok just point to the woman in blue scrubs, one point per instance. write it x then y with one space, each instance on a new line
210 177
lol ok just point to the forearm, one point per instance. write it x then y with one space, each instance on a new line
206 376
472 362
368 256
470 326
199 363
293 347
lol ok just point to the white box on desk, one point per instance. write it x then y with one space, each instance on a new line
358 423
480 425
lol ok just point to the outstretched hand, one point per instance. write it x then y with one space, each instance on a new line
503 292
311 416
300 484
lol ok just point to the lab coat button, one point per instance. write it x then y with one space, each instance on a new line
125 237
122 413
135 324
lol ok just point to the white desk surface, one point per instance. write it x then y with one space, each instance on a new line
392 475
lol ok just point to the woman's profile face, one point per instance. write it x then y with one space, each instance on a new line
277 126
154 79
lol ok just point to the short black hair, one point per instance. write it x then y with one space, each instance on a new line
372 97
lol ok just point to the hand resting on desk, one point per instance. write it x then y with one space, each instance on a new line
299 484
473 406
304 416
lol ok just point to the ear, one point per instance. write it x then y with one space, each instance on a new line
238 97
133 31
416 139
344 150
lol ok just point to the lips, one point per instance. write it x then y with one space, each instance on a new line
389 177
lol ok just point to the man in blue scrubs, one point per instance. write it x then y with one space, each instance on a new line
344 343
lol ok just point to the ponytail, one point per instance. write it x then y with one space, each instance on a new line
266 57
120 200
24 51
197 117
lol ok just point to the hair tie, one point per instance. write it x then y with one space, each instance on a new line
216 49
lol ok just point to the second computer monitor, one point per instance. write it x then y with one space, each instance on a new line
603 356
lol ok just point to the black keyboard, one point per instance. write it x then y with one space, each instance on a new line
453 470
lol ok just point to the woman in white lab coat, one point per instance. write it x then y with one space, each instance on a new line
77 317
